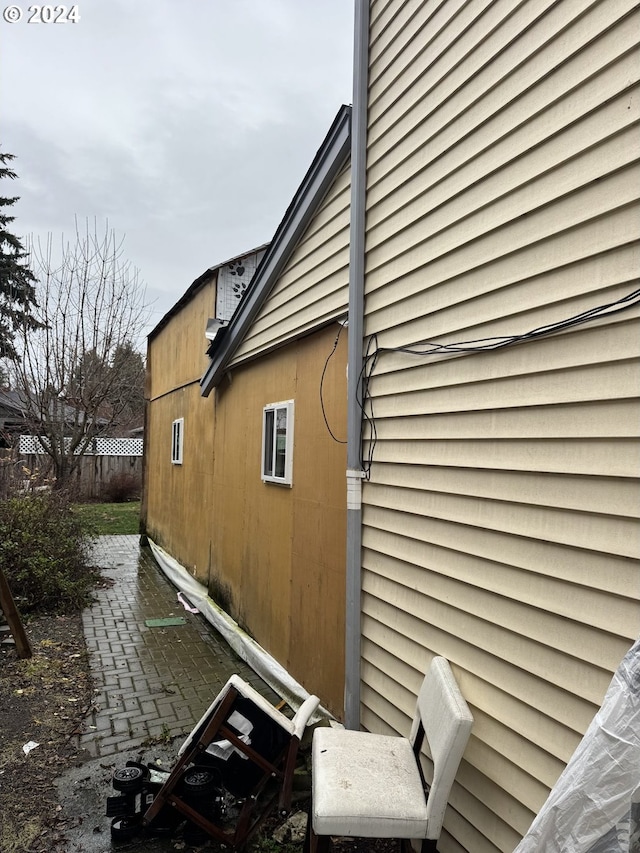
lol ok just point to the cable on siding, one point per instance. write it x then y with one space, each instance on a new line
324 370
622 304
429 348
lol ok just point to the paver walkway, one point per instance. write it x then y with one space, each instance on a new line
153 683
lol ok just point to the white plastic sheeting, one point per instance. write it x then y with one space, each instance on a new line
242 644
595 804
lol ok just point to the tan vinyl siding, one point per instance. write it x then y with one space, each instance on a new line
313 288
500 523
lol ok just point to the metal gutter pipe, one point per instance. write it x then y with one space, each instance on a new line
355 352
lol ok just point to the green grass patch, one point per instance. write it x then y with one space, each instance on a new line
111 519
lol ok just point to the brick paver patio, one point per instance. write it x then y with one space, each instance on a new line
153 683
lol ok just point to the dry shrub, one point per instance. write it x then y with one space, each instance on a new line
45 552
122 487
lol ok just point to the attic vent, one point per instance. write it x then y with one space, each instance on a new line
213 324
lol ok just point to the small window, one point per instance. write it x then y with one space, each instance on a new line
277 443
177 439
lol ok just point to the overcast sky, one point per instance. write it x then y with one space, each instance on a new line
188 125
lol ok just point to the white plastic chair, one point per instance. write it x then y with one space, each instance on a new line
372 786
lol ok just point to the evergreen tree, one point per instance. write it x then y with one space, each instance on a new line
17 292
127 397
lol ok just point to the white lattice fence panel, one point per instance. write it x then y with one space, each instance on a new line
29 444
118 446
98 447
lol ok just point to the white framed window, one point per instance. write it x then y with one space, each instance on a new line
277 443
177 441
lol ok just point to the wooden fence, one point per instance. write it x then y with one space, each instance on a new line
99 476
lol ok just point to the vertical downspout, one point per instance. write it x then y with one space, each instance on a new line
146 432
356 324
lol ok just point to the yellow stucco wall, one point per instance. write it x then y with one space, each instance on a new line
280 550
273 556
178 498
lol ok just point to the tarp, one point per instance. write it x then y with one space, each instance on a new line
595 805
242 644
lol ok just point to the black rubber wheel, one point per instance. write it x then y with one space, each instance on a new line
161 830
145 770
124 828
128 780
199 781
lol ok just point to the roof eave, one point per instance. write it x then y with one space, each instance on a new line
330 159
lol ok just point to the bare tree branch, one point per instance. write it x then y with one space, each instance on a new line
79 370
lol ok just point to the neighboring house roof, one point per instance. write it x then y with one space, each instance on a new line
13 416
328 162
12 403
196 285
15 406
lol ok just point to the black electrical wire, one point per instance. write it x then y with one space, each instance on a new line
429 348
368 366
488 344
324 370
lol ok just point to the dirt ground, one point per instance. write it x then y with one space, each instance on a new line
43 699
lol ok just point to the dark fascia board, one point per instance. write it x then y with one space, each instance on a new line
328 162
195 286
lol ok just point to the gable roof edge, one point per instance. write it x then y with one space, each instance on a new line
194 287
329 160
